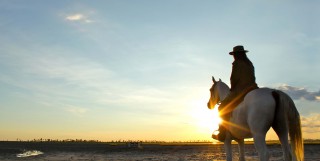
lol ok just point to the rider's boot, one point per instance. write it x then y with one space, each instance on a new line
221 136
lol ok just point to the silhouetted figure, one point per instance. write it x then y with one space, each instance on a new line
242 81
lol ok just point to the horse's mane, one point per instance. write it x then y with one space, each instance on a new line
223 88
223 85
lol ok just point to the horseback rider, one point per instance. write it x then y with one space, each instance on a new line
242 82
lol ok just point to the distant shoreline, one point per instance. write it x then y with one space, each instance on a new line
114 143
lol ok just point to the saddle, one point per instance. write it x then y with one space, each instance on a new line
241 96
232 101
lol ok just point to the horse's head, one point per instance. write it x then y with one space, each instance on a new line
214 95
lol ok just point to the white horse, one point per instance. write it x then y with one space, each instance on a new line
261 109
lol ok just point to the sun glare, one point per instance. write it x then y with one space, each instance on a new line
214 118
206 119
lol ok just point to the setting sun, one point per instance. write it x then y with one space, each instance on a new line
206 119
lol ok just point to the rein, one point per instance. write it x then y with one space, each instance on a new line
218 95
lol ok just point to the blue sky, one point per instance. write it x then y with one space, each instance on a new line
142 69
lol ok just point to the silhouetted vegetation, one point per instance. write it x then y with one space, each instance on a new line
111 141
306 141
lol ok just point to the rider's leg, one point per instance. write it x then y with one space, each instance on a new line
225 111
222 129
224 115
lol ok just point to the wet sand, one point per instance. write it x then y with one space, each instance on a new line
58 151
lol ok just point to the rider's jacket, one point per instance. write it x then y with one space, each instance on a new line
242 76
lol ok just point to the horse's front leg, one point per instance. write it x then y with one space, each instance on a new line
241 149
227 147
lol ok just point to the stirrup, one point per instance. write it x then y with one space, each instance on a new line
215 135
216 132
219 135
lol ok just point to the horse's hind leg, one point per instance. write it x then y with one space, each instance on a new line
261 146
282 133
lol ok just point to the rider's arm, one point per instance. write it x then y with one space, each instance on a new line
235 75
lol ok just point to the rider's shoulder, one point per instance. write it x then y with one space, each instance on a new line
238 62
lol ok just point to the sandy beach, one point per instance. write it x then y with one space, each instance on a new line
150 152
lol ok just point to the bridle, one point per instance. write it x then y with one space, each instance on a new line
217 97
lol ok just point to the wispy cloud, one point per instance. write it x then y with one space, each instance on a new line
78 17
79 111
300 93
61 76
311 123
75 17
67 79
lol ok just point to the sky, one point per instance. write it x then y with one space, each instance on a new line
141 70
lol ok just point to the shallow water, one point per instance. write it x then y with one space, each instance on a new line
153 152
29 153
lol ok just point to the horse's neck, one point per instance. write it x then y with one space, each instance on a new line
224 90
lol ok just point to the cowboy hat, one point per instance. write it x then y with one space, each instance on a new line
238 49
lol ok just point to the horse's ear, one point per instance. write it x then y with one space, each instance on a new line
219 80
214 81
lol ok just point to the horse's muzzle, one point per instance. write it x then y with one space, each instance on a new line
209 105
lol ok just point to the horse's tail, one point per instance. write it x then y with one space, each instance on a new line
292 117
